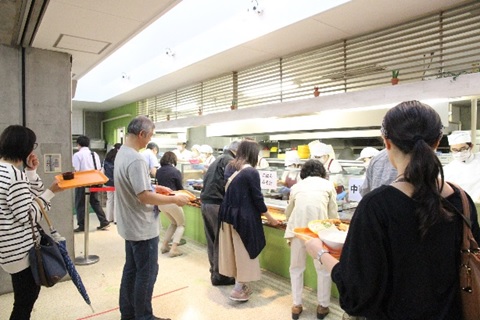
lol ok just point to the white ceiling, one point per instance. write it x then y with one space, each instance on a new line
91 30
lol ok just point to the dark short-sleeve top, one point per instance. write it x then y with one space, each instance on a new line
243 206
169 176
387 271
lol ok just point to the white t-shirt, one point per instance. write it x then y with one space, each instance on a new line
184 155
82 160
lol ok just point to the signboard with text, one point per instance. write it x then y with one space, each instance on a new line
354 185
268 179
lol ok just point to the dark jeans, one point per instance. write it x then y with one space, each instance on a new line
138 278
80 207
211 226
25 293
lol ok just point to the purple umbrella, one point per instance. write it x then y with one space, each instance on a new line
72 271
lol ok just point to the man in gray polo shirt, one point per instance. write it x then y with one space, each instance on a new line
137 223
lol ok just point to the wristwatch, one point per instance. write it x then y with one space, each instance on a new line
320 253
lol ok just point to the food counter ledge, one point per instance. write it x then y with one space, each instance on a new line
275 257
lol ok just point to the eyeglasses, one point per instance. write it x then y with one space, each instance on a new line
35 145
460 150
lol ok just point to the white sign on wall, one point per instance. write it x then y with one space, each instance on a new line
52 163
268 179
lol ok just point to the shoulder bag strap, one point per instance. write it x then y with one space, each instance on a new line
465 205
36 243
34 237
231 178
468 241
93 158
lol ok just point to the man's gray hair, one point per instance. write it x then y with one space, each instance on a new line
140 123
234 145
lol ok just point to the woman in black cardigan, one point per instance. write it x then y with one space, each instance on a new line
241 234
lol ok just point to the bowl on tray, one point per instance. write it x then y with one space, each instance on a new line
333 238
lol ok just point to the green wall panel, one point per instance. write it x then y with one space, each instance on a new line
110 127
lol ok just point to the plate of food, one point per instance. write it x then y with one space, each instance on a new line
332 232
318 225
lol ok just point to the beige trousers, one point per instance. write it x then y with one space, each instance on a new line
176 216
233 258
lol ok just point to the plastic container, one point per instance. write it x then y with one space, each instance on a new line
303 151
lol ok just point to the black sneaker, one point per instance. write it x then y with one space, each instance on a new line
221 280
79 229
104 227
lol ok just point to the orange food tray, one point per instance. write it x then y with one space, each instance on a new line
190 195
307 234
82 179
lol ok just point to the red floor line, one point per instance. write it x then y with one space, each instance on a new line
114 309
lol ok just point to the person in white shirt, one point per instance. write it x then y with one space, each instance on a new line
181 152
150 154
84 160
324 153
464 169
207 156
291 175
195 151
262 162
312 198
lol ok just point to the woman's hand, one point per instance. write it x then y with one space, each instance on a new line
55 187
32 162
313 246
274 222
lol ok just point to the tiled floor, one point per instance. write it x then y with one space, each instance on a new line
182 291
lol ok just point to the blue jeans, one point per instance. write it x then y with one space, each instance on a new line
138 278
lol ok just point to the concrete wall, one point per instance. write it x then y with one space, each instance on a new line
47 111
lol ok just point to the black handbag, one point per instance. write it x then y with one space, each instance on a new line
46 261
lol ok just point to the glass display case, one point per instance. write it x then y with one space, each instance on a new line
347 182
192 174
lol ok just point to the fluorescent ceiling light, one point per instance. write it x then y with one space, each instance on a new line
194 30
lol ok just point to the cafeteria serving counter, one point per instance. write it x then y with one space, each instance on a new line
275 257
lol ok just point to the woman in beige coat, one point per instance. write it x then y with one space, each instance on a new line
312 198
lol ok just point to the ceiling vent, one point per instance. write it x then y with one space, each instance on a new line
26 21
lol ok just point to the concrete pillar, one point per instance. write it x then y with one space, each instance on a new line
36 91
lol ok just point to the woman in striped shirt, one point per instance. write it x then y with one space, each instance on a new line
18 189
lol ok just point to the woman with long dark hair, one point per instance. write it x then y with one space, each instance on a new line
402 252
241 237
